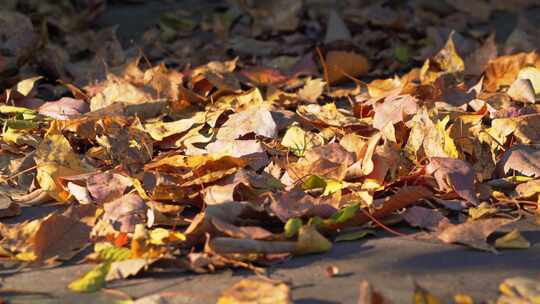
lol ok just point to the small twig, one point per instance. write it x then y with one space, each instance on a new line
19 173
383 226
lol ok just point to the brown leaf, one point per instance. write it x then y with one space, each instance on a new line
403 198
341 64
296 203
454 174
107 186
125 212
472 233
60 237
503 70
424 218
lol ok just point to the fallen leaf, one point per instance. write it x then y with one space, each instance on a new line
55 159
519 290
118 90
125 212
93 280
533 75
424 218
64 108
292 226
522 90
454 174
311 241
256 291
528 189
473 233
478 60
330 115
522 158
60 237
126 268
312 90
446 61
482 210
255 120
299 141
393 110
512 240
503 70
341 65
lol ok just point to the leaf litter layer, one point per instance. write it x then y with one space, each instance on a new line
314 131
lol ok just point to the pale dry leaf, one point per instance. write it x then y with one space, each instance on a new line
522 158
473 233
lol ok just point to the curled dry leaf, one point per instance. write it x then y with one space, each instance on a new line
522 90
522 158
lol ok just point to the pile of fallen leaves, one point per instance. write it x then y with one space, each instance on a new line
233 164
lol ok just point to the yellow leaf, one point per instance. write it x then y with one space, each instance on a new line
463 299
422 296
512 240
93 280
380 88
252 291
25 86
447 61
161 236
55 159
300 141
